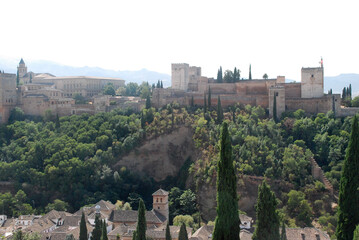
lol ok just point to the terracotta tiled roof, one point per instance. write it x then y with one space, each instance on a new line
131 216
160 192
307 233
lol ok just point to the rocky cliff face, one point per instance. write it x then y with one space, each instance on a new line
162 156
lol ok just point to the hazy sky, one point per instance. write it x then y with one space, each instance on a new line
276 37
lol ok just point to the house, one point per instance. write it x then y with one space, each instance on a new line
308 233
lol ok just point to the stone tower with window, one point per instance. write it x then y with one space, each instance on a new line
22 69
160 202
312 82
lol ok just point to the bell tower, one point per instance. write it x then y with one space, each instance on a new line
22 69
160 202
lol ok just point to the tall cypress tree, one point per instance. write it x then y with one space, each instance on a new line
141 222
283 234
220 76
209 99
250 71
83 228
267 217
161 84
227 221
182 235
192 102
275 107
104 231
168 233
148 102
348 212
17 78
204 104
350 91
97 231
219 111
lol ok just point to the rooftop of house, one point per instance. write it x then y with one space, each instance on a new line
308 233
132 215
160 192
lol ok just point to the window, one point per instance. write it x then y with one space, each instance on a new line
312 75
160 199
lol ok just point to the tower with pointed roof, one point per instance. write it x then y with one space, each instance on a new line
160 202
22 69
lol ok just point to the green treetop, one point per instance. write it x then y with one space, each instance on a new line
227 221
148 102
250 71
141 222
348 215
267 216
97 231
219 111
182 235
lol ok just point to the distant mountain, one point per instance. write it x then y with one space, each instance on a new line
56 69
337 83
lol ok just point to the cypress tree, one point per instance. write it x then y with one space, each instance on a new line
348 215
17 78
168 233
344 94
227 221
250 71
83 228
104 231
97 231
220 76
204 104
148 102
209 99
158 84
57 122
30 78
267 217
134 235
141 222
219 111
283 234
161 84
275 107
192 102
182 235
350 91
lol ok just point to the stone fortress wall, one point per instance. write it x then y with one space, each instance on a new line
307 95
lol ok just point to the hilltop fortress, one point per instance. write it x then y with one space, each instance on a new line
39 93
188 84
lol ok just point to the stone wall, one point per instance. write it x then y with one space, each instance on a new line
345 112
292 90
8 95
315 105
162 97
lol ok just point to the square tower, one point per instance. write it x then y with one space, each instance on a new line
180 76
160 202
312 82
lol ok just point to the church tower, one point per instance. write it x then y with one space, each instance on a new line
22 69
160 202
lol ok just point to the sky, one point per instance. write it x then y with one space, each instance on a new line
276 37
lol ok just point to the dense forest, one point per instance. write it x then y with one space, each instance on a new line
68 162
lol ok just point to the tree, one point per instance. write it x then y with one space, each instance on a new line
355 102
265 76
209 99
219 111
183 219
16 114
18 235
283 234
356 233
168 233
182 235
148 102
192 102
227 220
161 84
104 231
275 107
348 216
250 72
220 75
141 221
83 228
204 104
97 231
30 78
57 205
17 78
267 216
109 89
